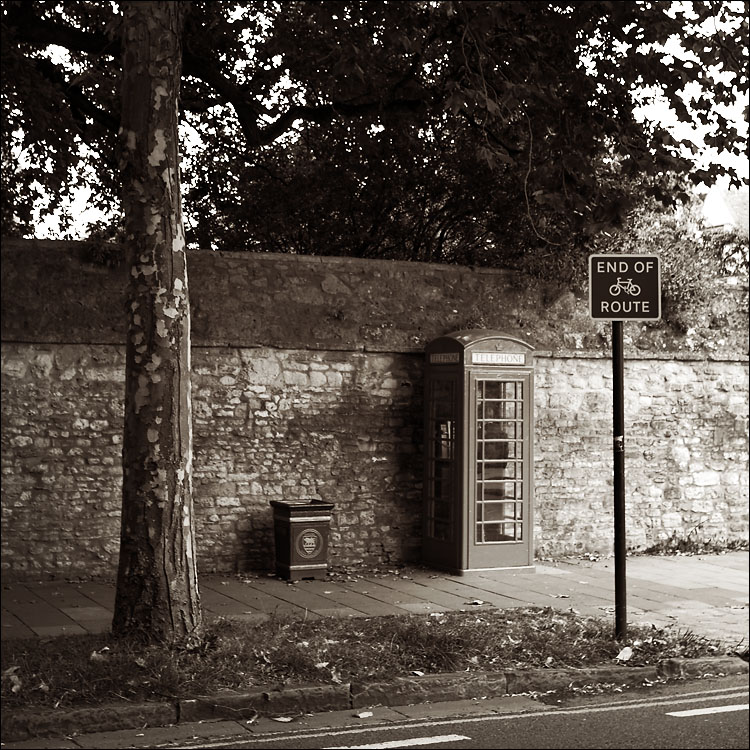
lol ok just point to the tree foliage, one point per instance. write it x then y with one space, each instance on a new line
694 258
472 132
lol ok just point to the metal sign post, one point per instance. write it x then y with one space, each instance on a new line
618 460
622 287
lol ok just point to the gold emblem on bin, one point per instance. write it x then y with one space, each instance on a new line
309 543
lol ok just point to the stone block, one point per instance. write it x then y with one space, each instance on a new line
430 687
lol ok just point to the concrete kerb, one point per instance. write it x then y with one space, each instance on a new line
404 691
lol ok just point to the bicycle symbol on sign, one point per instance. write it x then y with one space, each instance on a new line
626 286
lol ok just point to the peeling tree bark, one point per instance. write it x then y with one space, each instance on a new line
157 587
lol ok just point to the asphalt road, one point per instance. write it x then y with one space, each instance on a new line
695 714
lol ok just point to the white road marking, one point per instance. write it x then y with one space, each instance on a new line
712 710
405 743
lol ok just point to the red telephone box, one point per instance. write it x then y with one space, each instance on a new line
478 487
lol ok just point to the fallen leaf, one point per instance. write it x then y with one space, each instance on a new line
625 654
15 681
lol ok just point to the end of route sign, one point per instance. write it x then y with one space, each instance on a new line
624 287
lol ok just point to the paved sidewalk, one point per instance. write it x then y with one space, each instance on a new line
707 594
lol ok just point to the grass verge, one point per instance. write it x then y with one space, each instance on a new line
75 671
695 542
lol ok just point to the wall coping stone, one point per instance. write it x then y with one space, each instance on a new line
56 291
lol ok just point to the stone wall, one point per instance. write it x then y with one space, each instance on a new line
686 452
308 383
268 424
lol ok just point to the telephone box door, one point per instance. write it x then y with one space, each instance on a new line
478 483
442 510
498 487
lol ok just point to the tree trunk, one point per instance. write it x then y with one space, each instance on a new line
157 587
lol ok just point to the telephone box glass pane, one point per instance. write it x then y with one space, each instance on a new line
499 532
499 461
441 456
502 511
501 410
489 470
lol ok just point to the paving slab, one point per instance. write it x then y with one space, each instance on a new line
101 592
65 595
219 603
366 601
304 595
253 598
513 593
730 561
12 628
466 590
438 594
686 572
71 601
35 613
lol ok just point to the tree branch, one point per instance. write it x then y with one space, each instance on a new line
77 99
325 113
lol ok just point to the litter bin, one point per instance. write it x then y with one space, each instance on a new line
301 537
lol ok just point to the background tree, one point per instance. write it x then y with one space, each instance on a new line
539 94
695 259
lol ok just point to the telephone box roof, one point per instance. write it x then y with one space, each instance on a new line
471 336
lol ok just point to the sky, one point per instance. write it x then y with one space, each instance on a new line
716 210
